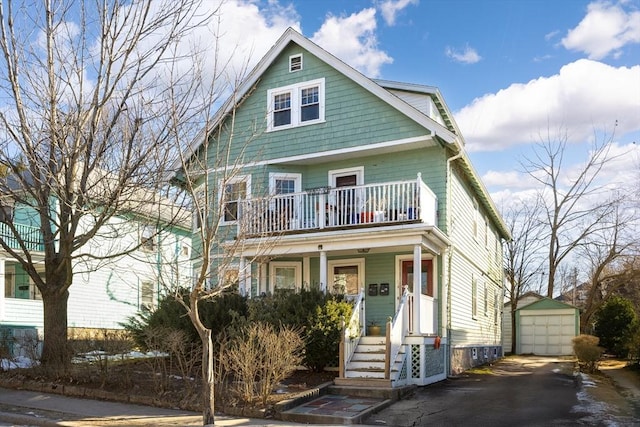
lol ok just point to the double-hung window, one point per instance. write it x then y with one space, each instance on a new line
295 105
235 191
282 109
309 104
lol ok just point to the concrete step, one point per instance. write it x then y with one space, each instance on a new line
369 387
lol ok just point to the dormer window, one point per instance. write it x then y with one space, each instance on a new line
296 105
295 63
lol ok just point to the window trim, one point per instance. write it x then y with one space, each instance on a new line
474 298
148 236
274 176
295 92
148 306
296 265
237 179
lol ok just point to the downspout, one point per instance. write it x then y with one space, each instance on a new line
449 260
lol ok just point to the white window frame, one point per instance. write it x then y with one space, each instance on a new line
292 69
240 178
475 220
274 265
274 176
486 300
295 92
147 305
148 239
358 262
474 297
199 214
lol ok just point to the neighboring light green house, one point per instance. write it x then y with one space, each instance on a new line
362 186
105 292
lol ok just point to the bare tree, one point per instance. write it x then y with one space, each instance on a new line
612 255
574 203
207 174
83 136
522 253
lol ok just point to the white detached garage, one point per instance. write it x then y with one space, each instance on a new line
546 328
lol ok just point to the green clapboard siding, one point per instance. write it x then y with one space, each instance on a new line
354 117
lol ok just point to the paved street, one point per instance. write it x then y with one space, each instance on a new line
525 391
516 391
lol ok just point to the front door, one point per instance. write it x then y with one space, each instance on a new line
346 276
425 296
426 281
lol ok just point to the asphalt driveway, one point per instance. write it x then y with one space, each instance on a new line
516 391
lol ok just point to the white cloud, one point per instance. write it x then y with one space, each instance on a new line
605 29
466 56
585 95
515 179
353 40
390 9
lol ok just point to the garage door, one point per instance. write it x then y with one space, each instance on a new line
547 335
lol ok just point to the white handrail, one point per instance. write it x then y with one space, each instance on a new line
353 330
398 328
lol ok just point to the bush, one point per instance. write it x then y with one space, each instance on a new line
219 314
312 311
261 358
614 323
587 351
322 336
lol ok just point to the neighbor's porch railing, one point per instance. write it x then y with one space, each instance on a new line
325 207
397 329
31 236
351 333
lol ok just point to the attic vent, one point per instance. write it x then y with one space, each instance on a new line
295 63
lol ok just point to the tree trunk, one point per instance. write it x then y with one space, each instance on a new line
208 383
55 348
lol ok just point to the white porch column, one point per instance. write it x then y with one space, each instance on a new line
306 273
417 288
323 271
262 278
2 290
242 278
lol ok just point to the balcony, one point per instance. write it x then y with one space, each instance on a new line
326 208
31 237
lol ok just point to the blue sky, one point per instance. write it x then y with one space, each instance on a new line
509 70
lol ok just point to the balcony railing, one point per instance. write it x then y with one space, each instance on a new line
341 207
30 236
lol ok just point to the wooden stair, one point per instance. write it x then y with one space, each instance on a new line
367 365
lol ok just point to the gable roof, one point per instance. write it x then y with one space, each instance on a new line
448 135
546 303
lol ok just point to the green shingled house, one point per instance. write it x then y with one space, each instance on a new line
363 187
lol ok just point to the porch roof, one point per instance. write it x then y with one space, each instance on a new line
393 238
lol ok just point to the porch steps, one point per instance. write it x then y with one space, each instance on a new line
368 362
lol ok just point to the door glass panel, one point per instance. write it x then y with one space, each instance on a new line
345 280
285 278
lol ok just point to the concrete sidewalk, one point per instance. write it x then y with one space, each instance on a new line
30 408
